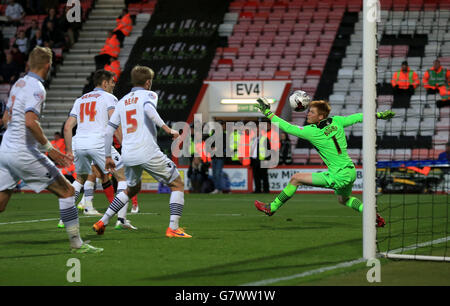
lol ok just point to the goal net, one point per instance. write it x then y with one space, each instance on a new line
413 172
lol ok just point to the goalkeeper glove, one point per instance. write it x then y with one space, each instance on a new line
386 115
264 106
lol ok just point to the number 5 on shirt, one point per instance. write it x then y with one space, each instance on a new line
131 121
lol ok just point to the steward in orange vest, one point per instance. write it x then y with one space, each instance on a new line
114 67
437 80
404 83
124 26
110 49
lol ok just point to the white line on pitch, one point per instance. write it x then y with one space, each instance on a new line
57 219
340 265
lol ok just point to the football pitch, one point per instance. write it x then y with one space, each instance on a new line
311 240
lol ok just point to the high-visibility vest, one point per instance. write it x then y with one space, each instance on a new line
405 79
114 67
200 148
111 47
234 143
60 145
124 24
431 77
244 149
272 138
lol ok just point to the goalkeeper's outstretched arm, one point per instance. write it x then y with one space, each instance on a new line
264 106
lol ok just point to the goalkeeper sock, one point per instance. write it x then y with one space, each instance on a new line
283 197
134 200
355 203
109 190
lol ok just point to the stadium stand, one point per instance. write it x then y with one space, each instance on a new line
74 75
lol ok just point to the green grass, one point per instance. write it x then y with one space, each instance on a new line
232 244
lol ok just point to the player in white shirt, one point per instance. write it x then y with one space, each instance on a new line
91 113
136 114
20 157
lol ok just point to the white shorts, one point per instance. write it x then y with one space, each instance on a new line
160 167
36 170
85 158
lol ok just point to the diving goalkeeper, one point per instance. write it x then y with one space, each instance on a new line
328 137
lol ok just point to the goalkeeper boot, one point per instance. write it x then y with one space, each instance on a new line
265 208
380 221
99 227
87 248
126 224
179 233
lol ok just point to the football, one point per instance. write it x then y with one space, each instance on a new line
299 100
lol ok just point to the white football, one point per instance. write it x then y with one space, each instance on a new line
299 100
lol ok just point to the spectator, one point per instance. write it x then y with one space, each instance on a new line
259 147
53 36
22 42
37 40
18 57
436 78
124 26
58 142
14 12
286 150
34 7
404 82
218 162
70 28
109 50
31 30
10 70
198 176
114 67
445 156
50 17
2 125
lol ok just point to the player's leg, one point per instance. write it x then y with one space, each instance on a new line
122 221
296 180
133 176
135 205
5 195
176 205
107 185
65 192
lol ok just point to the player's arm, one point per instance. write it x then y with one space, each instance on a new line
5 119
153 115
349 120
118 132
295 130
33 125
68 128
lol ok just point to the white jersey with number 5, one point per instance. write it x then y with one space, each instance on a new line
91 112
139 132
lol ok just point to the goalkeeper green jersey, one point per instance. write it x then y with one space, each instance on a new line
327 136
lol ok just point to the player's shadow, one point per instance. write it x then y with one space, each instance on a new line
34 242
23 232
226 269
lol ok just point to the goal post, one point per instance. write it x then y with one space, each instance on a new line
370 11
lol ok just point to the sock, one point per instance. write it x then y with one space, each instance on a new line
122 214
176 208
69 216
77 187
118 202
109 190
355 203
134 200
89 193
283 197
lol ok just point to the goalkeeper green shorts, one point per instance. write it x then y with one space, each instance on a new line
341 181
